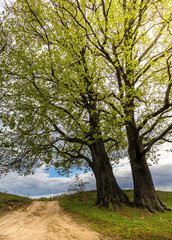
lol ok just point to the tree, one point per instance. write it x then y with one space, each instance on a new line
53 91
78 185
134 38
116 64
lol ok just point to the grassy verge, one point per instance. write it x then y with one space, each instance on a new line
126 222
9 202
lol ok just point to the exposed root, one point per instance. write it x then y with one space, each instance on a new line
152 203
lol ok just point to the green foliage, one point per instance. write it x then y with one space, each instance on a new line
126 222
9 202
76 71
52 91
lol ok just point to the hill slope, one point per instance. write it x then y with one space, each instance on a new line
126 222
9 202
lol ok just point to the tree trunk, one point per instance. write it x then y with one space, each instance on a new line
108 190
145 195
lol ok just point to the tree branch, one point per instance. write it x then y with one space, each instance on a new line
153 42
78 156
156 139
152 115
66 137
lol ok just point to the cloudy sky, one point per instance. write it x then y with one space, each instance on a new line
44 183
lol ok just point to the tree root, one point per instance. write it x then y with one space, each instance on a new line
153 204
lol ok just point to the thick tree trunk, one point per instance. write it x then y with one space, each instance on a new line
145 195
108 190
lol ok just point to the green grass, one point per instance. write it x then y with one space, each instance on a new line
9 202
47 199
126 222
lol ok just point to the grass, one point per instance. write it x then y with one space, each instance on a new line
47 199
126 222
9 202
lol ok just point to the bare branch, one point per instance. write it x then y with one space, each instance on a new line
73 156
152 115
152 127
153 42
66 137
166 101
167 140
156 139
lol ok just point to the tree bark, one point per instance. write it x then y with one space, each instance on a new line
145 195
108 190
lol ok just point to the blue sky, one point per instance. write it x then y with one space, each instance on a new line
44 183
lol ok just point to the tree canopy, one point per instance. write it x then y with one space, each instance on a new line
77 74
52 87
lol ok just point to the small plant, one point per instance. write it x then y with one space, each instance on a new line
78 185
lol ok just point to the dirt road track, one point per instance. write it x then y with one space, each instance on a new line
43 221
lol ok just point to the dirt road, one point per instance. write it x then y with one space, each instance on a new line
43 221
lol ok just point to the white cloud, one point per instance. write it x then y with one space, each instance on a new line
1 5
34 185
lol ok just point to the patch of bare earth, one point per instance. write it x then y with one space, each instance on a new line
43 221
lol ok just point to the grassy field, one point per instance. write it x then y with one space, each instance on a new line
126 222
9 202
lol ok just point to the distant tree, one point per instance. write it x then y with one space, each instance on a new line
134 37
78 185
53 89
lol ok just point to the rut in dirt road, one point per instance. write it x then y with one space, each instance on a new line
43 221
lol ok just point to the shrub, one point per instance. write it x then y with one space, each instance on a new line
77 186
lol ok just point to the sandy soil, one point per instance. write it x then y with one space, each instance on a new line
43 221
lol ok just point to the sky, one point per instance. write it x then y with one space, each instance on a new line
1 5
49 183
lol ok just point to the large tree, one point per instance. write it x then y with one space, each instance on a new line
116 71
134 38
52 99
